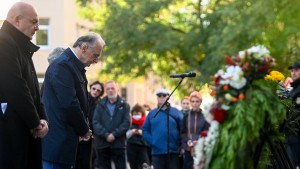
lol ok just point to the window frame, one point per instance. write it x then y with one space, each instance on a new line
48 29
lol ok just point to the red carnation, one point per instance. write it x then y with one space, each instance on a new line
204 133
217 80
218 114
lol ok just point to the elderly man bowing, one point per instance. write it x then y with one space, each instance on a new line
65 98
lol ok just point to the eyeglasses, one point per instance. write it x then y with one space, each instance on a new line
98 90
161 95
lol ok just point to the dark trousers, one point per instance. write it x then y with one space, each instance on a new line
137 155
94 155
180 158
106 155
84 155
293 151
51 165
188 161
163 162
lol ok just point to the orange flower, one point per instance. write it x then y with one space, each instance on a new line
241 96
213 93
225 87
234 99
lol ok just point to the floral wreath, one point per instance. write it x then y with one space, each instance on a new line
245 99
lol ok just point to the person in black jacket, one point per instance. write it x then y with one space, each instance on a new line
111 121
293 139
23 121
86 155
137 148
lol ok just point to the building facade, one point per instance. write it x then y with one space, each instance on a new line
60 25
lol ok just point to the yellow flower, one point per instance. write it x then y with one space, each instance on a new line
275 76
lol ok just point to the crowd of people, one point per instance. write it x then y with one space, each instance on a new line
66 126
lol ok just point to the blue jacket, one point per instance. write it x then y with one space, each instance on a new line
155 131
65 99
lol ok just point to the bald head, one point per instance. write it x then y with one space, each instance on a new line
24 17
19 8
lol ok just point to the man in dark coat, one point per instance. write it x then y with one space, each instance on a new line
111 122
65 98
22 117
293 139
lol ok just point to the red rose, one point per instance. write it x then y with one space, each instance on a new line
219 116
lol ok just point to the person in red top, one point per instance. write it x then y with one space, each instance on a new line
137 148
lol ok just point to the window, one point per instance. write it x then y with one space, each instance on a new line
43 34
124 93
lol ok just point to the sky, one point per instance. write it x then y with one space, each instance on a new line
4 7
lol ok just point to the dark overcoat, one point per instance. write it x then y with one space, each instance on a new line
293 139
65 98
117 123
21 108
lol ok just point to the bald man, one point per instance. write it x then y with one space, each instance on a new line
23 121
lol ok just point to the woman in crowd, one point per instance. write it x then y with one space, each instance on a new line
185 105
86 155
193 124
185 109
137 148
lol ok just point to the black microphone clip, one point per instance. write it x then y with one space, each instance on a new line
189 74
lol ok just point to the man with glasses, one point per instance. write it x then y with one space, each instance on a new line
163 139
23 121
65 98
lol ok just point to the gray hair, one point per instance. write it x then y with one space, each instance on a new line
90 39
55 53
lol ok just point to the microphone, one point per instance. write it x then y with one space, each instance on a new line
189 74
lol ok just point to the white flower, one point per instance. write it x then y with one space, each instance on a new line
242 54
205 146
219 73
199 154
258 52
238 82
234 77
210 141
207 101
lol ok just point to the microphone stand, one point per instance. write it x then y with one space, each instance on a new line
168 120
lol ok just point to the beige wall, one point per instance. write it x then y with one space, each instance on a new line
63 21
